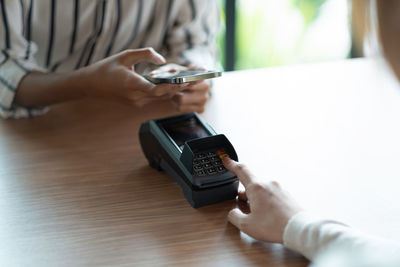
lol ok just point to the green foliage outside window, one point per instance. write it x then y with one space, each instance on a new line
274 33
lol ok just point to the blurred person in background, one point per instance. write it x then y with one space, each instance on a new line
276 217
54 51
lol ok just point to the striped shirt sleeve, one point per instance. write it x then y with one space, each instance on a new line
191 38
16 58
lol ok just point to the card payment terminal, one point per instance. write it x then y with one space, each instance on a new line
190 151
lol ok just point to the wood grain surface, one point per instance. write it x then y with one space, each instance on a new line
76 190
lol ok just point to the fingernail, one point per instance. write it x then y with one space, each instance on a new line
161 59
226 159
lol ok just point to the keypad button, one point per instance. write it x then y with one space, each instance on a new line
200 155
197 167
221 168
196 162
221 153
205 160
211 154
212 170
201 173
207 165
217 163
214 158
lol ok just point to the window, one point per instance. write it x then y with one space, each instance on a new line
274 33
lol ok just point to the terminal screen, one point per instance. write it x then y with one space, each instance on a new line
185 130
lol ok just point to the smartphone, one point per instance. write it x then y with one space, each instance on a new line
183 76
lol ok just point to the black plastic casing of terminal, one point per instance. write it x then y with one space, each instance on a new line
164 155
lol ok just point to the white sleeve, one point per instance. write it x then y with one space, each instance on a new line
192 37
331 243
16 59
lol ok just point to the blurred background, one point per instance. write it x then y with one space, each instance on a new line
265 33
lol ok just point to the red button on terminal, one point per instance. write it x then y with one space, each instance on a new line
221 153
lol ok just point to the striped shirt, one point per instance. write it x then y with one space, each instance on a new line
65 35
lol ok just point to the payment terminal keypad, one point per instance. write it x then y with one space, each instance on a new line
209 162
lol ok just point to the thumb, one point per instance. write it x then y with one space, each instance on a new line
238 218
134 56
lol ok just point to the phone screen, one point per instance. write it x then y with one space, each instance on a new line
186 130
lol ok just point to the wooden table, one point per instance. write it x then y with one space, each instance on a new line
75 188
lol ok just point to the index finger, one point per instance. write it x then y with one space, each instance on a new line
171 67
133 56
240 170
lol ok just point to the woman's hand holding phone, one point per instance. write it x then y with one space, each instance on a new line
113 78
194 96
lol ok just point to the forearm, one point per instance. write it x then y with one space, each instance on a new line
43 89
318 239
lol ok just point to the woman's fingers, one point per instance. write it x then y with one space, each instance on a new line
135 56
240 170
